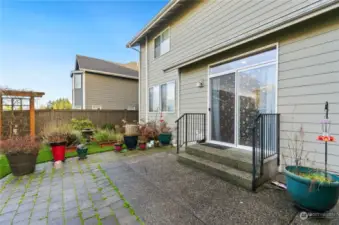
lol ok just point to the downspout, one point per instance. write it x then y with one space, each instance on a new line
139 81
146 75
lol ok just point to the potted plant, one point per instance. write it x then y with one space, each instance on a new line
102 137
21 153
58 141
82 151
311 189
131 135
119 142
165 135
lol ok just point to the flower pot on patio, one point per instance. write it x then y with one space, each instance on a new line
106 144
165 138
82 151
118 147
311 194
22 163
131 141
21 153
58 150
142 146
71 148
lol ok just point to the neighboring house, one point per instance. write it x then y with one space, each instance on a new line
228 59
101 84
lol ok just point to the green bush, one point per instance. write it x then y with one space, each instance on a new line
80 124
101 136
108 126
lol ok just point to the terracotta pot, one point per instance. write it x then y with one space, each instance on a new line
106 144
71 148
22 163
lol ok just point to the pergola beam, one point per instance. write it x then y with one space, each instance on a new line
22 93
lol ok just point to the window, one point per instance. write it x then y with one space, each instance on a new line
77 80
168 97
162 44
154 97
162 98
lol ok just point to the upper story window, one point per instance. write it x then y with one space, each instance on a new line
77 80
162 43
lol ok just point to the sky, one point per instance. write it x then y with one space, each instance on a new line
40 38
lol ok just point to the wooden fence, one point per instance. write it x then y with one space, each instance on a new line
48 118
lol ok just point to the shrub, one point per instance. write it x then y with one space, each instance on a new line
101 136
80 124
107 126
25 144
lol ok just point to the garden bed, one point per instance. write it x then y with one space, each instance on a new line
45 155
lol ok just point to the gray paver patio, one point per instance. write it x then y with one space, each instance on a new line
159 189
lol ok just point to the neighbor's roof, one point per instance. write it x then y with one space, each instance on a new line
105 67
161 17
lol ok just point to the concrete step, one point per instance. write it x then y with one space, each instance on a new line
232 175
232 157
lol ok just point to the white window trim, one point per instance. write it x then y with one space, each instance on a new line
169 39
160 107
78 72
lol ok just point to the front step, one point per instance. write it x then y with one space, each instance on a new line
232 157
234 176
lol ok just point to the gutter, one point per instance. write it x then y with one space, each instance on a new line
111 74
292 21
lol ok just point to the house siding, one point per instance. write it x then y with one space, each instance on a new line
110 92
308 75
214 24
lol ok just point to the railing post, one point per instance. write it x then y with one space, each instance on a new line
253 158
262 146
205 136
186 131
178 127
278 139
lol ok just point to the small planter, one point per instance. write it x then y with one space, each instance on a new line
22 163
311 195
82 151
71 148
142 146
58 150
165 138
131 141
118 147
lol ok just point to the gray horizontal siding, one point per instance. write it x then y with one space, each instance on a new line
110 92
209 25
309 76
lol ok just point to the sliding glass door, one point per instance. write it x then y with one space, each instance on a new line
246 88
223 108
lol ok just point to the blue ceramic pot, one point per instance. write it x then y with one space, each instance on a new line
311 195
165 138
131 141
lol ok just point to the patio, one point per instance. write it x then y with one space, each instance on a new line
158 189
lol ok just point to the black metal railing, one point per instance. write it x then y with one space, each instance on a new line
191 127
265 143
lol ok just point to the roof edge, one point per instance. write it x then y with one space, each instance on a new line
153 22
108 73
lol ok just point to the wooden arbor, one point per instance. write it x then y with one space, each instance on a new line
20 95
